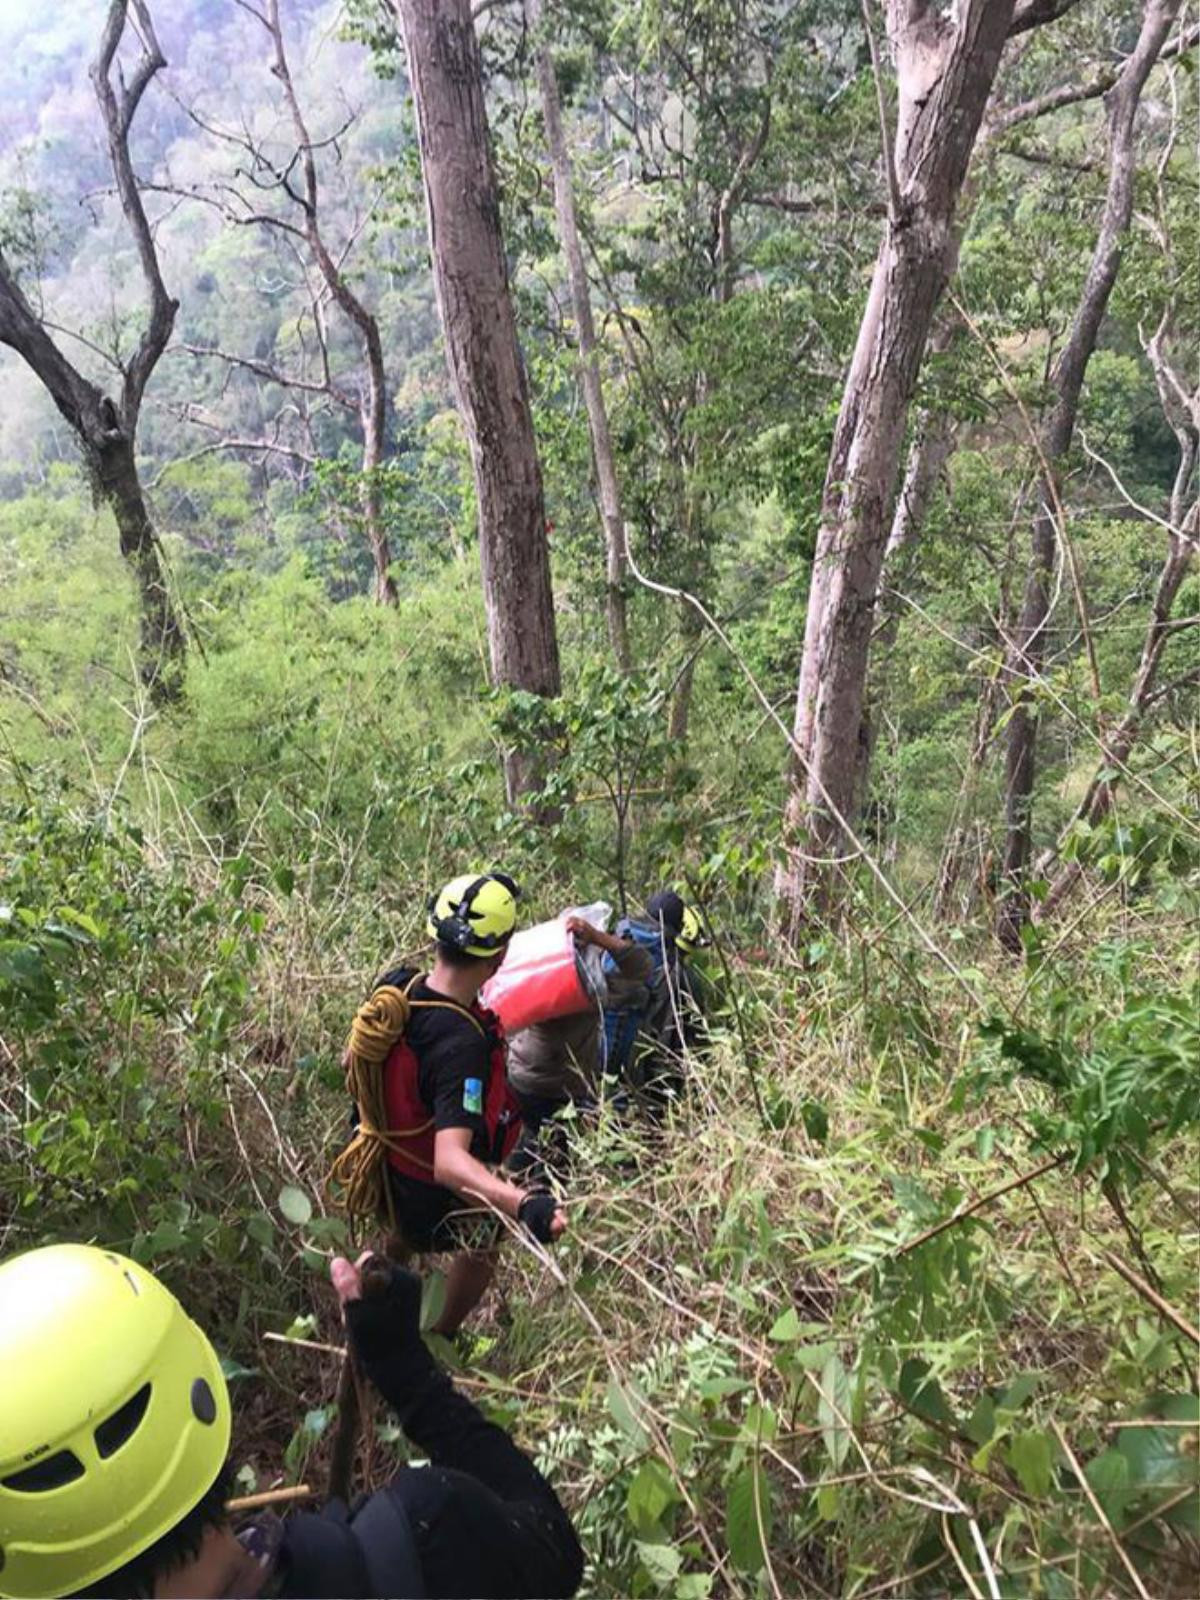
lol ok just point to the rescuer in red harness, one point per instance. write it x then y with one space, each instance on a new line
452 1118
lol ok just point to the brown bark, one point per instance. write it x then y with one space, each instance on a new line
106 429
945 66
373 398
481 348
608 492
1056 435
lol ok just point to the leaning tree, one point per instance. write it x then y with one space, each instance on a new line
105 425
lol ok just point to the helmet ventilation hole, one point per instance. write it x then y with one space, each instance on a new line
52 1473
118 1429
132 1281
204 1406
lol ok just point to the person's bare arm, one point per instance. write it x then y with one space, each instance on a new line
455 1168
587 934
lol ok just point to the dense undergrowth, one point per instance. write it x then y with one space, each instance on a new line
748 1372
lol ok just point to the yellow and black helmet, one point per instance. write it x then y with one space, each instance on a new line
475 914
692 935
114 1416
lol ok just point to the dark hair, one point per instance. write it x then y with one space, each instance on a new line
666 907
179 1545
454 957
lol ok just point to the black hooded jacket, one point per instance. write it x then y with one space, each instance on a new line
479 1520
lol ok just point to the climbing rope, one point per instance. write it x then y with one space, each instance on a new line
358 1180
359 1175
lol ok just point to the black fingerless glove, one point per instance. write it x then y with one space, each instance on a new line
536 1213
388 1316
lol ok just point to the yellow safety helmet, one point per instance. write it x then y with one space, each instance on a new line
691 935
475 913
114 1416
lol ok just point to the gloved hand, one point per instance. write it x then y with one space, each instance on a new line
381 1304
539 1213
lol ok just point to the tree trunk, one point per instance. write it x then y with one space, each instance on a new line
106 429
945 66
1057 433
481 347
107 447
114 472
607 489
373 404
374 426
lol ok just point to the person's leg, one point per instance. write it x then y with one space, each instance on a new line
467 1279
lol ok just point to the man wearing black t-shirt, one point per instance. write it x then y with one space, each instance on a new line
452 1118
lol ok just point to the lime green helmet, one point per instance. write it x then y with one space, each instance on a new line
475 913
114 1416
691 935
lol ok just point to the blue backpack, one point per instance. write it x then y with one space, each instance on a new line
622 1025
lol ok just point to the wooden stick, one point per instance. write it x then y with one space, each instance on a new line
978 1205
1152 1296
1099 1510
375 1275
269 1497
306 1344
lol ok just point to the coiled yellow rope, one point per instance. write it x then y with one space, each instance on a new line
358 1178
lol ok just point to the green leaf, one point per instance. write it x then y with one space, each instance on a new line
747 1505
623 1414
650 1494
1031 1456
1108 1474
922 1393
832 1407
693 1586
982 1422
785 1328
661 1561
828 1502
295 1205
261 1229
231 1368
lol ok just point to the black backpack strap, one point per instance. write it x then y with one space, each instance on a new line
385 1537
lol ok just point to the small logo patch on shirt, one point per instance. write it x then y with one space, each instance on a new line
473 1096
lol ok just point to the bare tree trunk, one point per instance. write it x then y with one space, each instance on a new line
482 350
945 64
106 429
1057 433
607 488
162 640
373 401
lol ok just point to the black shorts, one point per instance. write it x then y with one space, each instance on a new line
431 1218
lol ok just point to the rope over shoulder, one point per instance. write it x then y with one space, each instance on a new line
357 1180
358 1177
